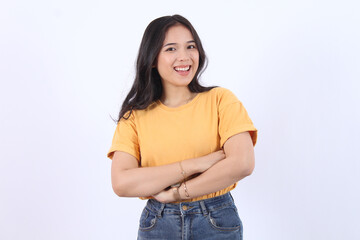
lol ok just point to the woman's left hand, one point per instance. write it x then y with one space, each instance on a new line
165 196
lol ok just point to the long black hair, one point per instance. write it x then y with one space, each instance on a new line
147 86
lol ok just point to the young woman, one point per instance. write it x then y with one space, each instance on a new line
178 144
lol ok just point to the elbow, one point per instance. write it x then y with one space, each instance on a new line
244 169
248 170
119 188
249 167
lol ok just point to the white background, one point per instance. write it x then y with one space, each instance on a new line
66 66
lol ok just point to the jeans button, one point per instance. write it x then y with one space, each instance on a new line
184 207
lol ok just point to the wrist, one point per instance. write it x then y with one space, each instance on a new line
176 194
182 193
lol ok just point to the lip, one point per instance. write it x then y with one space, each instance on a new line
183 73
182 66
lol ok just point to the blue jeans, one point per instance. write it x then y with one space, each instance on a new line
210 219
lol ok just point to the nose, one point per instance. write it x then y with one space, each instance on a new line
183 55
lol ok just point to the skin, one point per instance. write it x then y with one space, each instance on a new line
217 170
238 164
179 50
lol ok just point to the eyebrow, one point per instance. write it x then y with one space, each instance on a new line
191 41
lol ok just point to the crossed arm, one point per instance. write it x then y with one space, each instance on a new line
218 171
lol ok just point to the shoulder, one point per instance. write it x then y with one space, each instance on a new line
140 117
135 114
128 116
223 95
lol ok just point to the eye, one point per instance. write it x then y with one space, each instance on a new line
191 47
170 49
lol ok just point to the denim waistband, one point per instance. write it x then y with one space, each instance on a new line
196 207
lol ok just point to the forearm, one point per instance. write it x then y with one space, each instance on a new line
219 176
147 181
238 163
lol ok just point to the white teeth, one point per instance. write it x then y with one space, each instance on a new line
182 69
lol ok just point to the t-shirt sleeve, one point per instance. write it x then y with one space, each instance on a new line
125 138
233 117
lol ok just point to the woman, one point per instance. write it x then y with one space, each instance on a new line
178 144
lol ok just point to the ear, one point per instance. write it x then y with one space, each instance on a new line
155 64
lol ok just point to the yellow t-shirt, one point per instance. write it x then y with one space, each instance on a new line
160 135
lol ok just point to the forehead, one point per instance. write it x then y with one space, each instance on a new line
178 34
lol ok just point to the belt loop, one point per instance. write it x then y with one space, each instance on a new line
203 208
231 197
161 210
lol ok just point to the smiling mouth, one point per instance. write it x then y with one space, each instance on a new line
182 69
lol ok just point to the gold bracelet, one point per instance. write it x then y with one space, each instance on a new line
184 181
183 173
186 191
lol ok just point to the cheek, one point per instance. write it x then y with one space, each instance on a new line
161 65
196 60
196 57
165 62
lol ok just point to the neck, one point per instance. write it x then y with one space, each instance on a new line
177 97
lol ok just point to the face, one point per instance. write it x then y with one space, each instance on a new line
178 59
